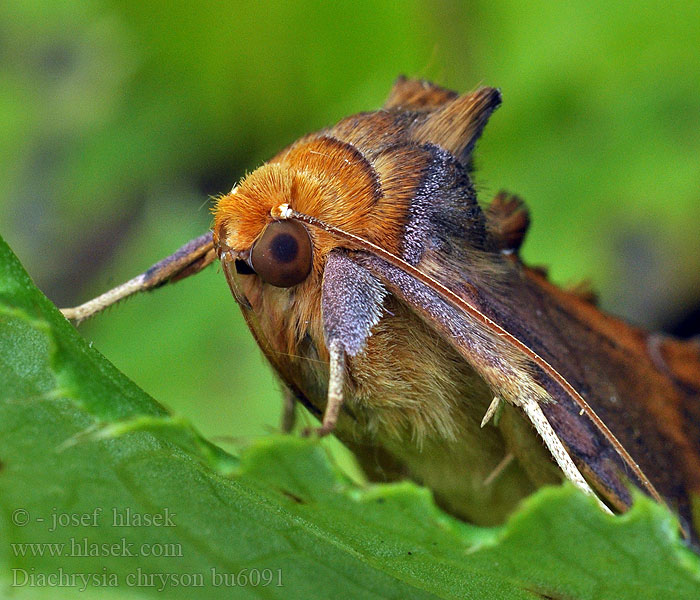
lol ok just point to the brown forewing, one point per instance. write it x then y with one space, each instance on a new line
650 405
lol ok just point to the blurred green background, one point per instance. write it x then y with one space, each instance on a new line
120 119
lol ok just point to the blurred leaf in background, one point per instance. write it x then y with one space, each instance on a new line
119 120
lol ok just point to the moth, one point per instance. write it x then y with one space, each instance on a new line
396 309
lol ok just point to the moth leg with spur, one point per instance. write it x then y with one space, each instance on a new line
190 259
539 421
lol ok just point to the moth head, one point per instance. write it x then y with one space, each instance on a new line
321 178
252 239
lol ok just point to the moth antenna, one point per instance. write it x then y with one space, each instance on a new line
191 258
461 304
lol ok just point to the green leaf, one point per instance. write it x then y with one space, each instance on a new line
80 443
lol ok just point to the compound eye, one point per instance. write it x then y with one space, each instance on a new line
282 256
